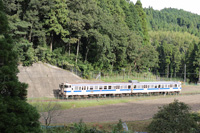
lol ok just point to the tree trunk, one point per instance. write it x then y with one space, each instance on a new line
175 72
199 75
77 51
51 43
30 34
86 54
168 71
69 49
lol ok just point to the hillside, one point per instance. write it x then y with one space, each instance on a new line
170 19
44 79
106 36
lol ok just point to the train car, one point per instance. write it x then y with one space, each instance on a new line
132 87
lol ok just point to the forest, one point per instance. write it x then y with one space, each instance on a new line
105 35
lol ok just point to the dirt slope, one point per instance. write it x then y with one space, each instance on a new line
43 79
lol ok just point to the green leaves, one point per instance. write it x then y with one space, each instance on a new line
15 114
174 117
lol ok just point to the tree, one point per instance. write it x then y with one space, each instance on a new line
196 61
143 21
57 22
48 111
16 115
173 118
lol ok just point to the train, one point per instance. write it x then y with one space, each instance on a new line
104 89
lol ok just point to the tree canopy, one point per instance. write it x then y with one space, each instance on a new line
103 35
16 115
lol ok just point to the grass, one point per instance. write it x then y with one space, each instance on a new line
70 104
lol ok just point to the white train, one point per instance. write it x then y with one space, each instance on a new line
132 87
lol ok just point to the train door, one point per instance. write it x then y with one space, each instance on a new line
145 87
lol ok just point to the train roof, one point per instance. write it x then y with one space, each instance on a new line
123 83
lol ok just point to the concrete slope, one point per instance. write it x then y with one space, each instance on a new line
44 79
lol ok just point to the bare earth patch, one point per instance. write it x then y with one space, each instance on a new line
139 110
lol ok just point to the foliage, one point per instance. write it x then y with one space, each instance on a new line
103 35
174 117
15 114
170 19
118 128
81 32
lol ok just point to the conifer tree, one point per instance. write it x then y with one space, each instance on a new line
142 16
15 114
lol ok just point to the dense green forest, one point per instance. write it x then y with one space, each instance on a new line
105 35
16 115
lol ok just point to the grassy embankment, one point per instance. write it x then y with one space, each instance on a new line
81 103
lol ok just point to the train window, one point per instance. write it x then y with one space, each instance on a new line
125 87
105 87
142 86
100 87
84 87
76 87
91 87
96 87
158 86
162 86
121 87
66 86
80 88
129 87
117 87
134 86
175 85
152 86
109 87
155 86
69 86
148 86
72 88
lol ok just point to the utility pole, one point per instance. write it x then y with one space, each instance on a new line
185 73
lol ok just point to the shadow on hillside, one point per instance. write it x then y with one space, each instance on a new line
56 93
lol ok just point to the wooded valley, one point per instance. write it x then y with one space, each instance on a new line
105 35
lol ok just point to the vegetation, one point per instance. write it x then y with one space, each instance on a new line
105 35
100 35
174 117
43 106
16 115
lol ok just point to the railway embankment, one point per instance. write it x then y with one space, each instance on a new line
44 79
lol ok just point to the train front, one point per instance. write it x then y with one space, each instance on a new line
64 89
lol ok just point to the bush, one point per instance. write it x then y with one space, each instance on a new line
173 118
